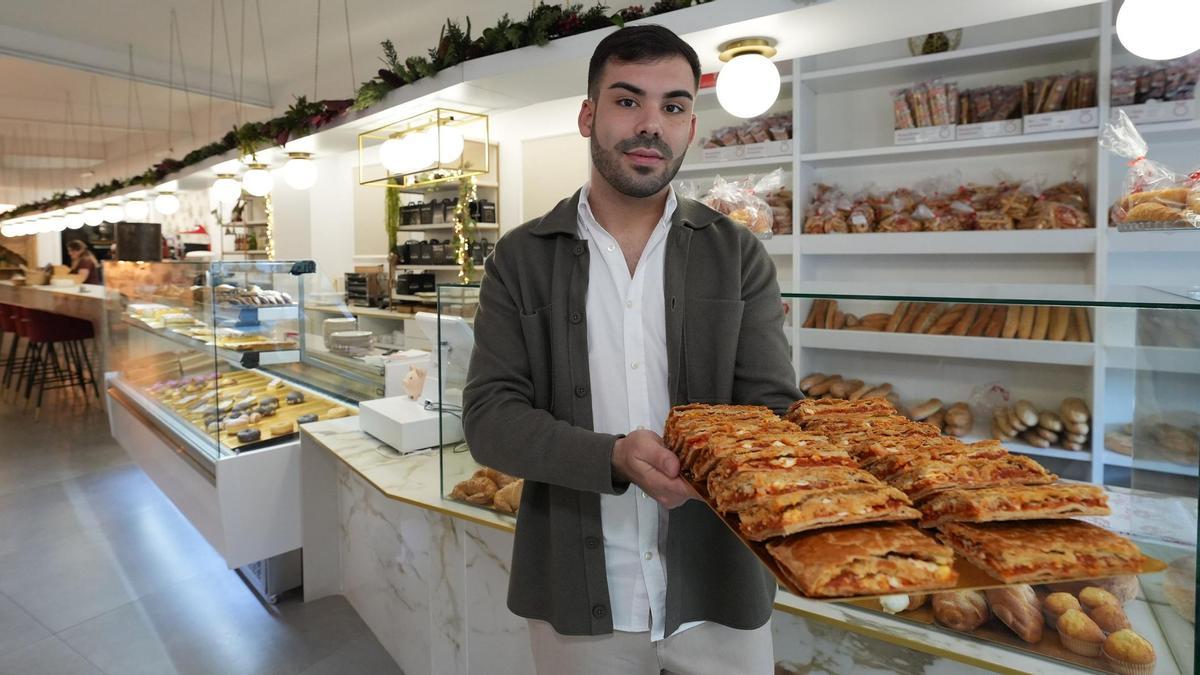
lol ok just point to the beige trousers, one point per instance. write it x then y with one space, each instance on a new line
709 648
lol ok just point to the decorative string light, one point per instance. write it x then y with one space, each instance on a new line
464 229
270 247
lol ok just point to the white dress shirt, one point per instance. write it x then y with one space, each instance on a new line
627 360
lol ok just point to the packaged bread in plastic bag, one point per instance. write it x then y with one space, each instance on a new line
745 201
1153 195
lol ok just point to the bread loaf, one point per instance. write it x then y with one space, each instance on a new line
1026 412
995 324
1074 410
965 321
1012 322
937 419
960 610
982 321
1048 420
897 317
1032 438
1014 420
1041 323
959 415
1050 436
1019 608
1077 427
1079 316
1060 319
1025 328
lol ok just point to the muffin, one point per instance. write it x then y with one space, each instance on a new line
1128 653
1079 633
1093 596
1110 618
1056 604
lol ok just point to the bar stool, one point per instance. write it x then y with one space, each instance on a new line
17 363
48 366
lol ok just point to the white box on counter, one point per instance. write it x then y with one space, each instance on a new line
967 132
407 425
733 153
1152 112
916 135
1062 120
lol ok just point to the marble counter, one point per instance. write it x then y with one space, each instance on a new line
430 577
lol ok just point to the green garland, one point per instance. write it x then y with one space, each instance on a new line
455 45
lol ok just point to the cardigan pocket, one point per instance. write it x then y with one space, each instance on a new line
535 328
711 332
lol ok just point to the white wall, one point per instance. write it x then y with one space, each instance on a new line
331 213
49 249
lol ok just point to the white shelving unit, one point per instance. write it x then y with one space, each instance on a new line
842 120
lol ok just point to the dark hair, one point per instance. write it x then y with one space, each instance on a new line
639 44
76 245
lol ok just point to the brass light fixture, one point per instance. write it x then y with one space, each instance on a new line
433 147
748 83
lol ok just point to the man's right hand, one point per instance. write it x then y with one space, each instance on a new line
642 459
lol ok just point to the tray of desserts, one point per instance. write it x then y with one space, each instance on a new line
847 499
245 410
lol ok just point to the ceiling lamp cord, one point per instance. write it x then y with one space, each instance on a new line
317 53
237 107
262 42
349 44
187 90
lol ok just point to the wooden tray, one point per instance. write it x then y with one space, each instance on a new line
257 384
970 577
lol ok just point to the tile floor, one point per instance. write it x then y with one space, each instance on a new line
100 574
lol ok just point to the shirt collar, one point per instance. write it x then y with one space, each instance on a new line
587 219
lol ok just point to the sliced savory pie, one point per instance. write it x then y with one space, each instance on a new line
923 478
1014 502
1036 551
799 511
865 560
747 487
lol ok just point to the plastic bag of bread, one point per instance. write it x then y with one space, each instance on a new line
1152 193
744 201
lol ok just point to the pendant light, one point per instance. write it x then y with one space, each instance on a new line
1159 30
92 216
166 203
300 172
136 210
74 219
748 84
258 181
112 213
391 154
226 188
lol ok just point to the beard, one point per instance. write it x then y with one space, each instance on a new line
640 181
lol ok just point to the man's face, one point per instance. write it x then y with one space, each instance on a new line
640 123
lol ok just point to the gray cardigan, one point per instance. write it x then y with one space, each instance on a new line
528 411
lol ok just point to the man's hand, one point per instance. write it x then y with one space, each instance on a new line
642 459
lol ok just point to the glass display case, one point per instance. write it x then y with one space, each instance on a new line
1100 387
216 354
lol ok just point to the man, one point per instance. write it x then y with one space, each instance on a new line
593 321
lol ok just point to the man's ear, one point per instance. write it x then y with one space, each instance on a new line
692 132
587 113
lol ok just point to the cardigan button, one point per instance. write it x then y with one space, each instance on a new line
576 317
592 542
599 611
579 249
581 391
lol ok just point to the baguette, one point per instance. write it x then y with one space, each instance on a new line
914 313
811 380
1072 332
839 321
880 318
927 318
1026 327
893 323
845 388
947 323
926 409
937 419
860 392
978 328
996 324
1060 319
814 311
851 321
881 391
825 386
1012 322
967 320
831 311
1041 323
1080 320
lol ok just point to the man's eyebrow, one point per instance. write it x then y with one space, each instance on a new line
638 91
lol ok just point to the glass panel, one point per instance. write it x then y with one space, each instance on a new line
1182 296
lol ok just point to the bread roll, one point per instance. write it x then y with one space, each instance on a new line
956 431
1026 412
1000 434
1041 323
960 610
965 321
1079 316
1025 327
824 387
1077 428
946 322
982 321
1075 438
1014 420
860 392
926 409
839 321
1048 420
1000 419
845 388
831 311
910 317
1076 447
1050 436
996 323
1019 608
959 415
1074 410
811 380
817 309
1060 318
1035 440
893 323
937 419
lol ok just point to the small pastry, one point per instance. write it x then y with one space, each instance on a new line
960 610
268 400
267 410
305 419
1110 618
508 498
255 418
475 490
295 397
1094 596
213 427
236 423
1018 607
901 602
1129 653
225 405
245 404
248 435
1079 633
1057 604
227 382
281 429
334 413
275 384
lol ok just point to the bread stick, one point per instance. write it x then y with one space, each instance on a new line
893 323
1041 323
1080 319
1012 322
1060 319
965 321
978 328
830 314
996 324
1026 327
914 314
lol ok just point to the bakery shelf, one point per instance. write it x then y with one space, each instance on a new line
1178 241
1051 140
253 314
245 359
951 346
1156 359
784 82
1170 132
1117 459
1019 447
1016 54
703 167
780 244
372 312
1022 242
415 298
445 226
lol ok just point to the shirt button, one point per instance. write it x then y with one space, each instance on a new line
629 304
611 247
649 556
599 611
634 365
592 542
581 391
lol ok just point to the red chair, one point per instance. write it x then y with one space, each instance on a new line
48 366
